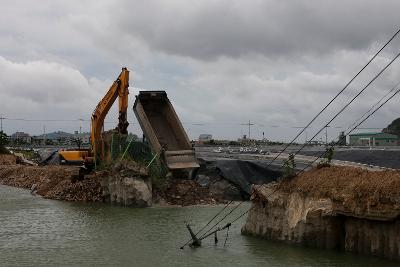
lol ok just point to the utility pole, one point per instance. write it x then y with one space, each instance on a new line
248 124
326 134
1 122
44 135
80 125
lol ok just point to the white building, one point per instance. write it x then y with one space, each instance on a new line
20 136
205 138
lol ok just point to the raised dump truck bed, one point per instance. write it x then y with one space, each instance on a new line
163 129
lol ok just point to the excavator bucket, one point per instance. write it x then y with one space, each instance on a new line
163 130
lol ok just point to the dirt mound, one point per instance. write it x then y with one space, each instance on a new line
52 182
88 190
129 168
174 192
342 182
352 190
8 159
185 193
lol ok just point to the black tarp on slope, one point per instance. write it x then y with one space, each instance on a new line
49 157
245 173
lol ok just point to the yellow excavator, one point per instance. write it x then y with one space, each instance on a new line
88 158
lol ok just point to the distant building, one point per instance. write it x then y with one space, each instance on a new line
58 137
315 142
84 137
21 137
203 138
373 139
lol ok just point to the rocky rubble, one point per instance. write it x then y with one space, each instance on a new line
185 193
127 184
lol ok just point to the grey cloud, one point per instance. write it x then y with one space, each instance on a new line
206 30
293 101
221 62
47 90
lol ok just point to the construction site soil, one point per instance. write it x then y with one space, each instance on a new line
343 208
54 182
8 159
353 187
185 193
359 191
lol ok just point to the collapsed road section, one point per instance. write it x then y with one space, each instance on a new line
342 208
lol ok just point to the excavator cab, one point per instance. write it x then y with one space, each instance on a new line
96 154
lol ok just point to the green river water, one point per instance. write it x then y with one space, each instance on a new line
40 232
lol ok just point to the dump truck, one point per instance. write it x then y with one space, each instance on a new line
164 131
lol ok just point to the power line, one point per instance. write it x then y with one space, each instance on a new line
248 124
187 123
324 110
215 216
323 154
351 101
363 120
333 99
52 120
373 106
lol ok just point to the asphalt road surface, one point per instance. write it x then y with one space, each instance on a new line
383 157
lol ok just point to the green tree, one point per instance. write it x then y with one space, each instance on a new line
49 142
327 158
329 155
3 142
342 139
393 128
77 141
133 137
289 167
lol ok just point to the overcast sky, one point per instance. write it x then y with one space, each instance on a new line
222 63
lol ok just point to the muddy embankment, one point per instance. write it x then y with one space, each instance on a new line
126 183
53 182
342 208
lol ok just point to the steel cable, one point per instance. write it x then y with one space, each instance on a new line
319 113
348 104
333 99
244 213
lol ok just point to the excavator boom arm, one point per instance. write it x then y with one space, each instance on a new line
118 89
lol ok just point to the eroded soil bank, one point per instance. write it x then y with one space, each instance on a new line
126 183
348 209
53 182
